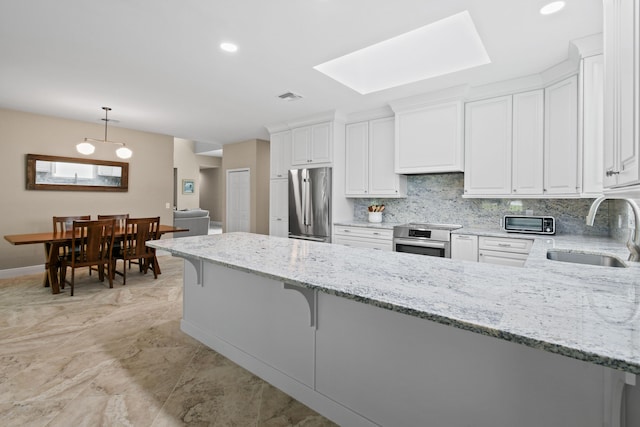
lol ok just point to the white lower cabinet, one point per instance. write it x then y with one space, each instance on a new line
464 247
503 250
363 237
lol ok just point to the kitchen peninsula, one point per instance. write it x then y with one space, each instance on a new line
378 338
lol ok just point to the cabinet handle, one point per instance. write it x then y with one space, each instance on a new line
463 237
611 172
515 191
279 175
376 234
504 245
347 231
278 219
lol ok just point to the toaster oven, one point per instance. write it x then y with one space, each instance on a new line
529 224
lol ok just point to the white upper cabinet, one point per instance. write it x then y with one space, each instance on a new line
357 159
592 91
369 160
622 87
528 143
523 145
383 181
428 139
561 138
488 125
280 150
504 145
312 145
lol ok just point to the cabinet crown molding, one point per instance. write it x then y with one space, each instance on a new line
329 116
363 116
588 46
455 93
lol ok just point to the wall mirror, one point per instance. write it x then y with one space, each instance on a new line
74 174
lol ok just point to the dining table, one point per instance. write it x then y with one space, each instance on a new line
53 241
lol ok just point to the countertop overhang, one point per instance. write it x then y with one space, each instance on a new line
588 313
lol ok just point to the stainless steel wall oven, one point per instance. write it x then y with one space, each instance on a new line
424 239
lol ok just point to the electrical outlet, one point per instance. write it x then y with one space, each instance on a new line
167 205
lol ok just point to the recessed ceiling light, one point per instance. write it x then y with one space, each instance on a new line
446 46
552 7
228 47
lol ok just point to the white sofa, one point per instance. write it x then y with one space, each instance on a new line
196 220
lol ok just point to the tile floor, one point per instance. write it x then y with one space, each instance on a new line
117 357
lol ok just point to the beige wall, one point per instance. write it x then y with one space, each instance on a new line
186 163
29 211
211 192
252 154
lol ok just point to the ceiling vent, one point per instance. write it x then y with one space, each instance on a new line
290 96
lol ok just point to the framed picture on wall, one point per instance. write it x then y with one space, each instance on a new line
188 186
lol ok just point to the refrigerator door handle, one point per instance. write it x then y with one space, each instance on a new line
306 200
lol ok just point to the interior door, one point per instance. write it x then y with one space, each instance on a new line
238 200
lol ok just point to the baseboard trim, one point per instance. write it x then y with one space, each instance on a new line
21 271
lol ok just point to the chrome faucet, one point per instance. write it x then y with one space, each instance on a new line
634 237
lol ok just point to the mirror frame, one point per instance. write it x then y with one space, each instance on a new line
31 174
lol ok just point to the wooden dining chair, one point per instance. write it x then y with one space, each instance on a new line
121 223
62 224
93 246
138 232
121 219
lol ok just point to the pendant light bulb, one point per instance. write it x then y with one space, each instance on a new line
124 153
85 148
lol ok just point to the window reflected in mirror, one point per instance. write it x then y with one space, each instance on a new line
73 174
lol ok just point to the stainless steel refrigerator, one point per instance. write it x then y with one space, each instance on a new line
310 204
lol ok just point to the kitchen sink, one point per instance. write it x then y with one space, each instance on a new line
582 258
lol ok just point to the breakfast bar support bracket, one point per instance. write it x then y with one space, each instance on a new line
614 392
310 296
198 266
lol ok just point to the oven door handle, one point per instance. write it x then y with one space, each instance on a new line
423 244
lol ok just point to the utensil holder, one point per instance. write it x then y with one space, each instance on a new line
375 216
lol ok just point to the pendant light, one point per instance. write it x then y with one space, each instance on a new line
87 147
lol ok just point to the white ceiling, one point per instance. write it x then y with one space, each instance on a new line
158 65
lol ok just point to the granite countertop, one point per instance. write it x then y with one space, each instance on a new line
589 313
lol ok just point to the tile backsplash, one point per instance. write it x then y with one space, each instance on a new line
438 198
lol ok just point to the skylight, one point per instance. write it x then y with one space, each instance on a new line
446 46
